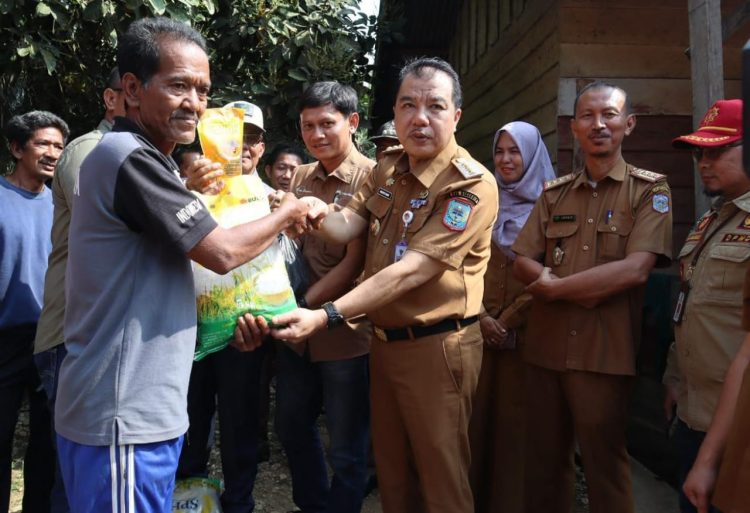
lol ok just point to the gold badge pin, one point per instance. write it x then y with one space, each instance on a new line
375 227
424 194
557 255
390 182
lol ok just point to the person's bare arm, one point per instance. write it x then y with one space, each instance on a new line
410 272
339 279
592 286
223 249
526 270
700 482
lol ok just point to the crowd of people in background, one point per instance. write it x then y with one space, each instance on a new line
461 328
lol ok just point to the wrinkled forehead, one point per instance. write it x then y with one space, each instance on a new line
600 98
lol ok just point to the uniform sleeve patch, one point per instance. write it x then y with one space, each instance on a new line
464 194
660 203
457 214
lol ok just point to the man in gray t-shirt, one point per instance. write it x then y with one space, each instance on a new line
130 322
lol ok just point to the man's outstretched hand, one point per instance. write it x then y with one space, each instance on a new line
299 324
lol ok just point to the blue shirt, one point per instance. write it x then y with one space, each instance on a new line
25 243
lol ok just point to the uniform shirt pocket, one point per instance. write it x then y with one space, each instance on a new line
613 238
559 235
725 271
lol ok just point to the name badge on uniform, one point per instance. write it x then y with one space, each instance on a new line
385 193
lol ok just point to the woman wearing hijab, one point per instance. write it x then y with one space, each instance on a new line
522 165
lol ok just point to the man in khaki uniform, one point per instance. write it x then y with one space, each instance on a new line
428 210
330 370
713 262
586 252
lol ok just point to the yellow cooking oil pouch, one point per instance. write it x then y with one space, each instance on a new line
196 495
260 287
220 133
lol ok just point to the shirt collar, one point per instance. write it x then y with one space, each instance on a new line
426 171
345 171
617 173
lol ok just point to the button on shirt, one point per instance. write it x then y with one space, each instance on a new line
628 211
435 192
338 187
711 331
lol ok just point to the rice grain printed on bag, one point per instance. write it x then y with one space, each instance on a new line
260 287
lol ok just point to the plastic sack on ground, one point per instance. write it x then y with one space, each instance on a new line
260 286
220 133
196 495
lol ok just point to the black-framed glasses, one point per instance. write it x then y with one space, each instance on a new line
714 152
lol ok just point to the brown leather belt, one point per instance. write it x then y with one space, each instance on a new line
414 332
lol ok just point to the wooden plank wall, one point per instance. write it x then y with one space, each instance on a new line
506 52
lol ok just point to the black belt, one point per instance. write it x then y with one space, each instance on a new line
413 332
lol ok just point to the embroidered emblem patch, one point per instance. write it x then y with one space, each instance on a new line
457 214
385 193
417 203
736 237
745 224
660 202
464 194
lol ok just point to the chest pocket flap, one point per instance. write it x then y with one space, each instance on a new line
378 206
618 225
560 230
731 252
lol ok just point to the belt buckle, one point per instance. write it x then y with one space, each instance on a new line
380 333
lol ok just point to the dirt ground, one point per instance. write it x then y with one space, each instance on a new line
273 488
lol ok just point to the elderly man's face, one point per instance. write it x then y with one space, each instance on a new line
172 101
253 148
424 115
38 158
281 172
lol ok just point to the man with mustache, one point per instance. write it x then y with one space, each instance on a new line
427 211
713 263
48 346
36 141
586 252
130 320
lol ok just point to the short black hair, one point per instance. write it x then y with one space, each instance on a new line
113 80
600 84
419 68
341 96
181 150
138 49
283 148
21 127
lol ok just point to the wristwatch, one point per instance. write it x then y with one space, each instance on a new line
334 317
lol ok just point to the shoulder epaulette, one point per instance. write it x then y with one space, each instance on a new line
649 176
390 150
551 184
468 167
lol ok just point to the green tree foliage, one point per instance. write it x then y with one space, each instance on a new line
56 54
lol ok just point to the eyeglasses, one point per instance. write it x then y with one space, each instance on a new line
713 153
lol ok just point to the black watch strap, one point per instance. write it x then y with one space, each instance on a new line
334 317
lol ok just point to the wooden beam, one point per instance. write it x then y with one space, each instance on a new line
707 71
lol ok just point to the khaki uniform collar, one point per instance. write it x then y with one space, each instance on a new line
617 173
743 202
427 171
345 171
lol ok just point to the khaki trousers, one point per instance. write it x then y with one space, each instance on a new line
591 408
421 393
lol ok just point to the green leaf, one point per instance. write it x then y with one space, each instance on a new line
49 60
6 6
158 6
43 9
94 11
298 74
25 51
